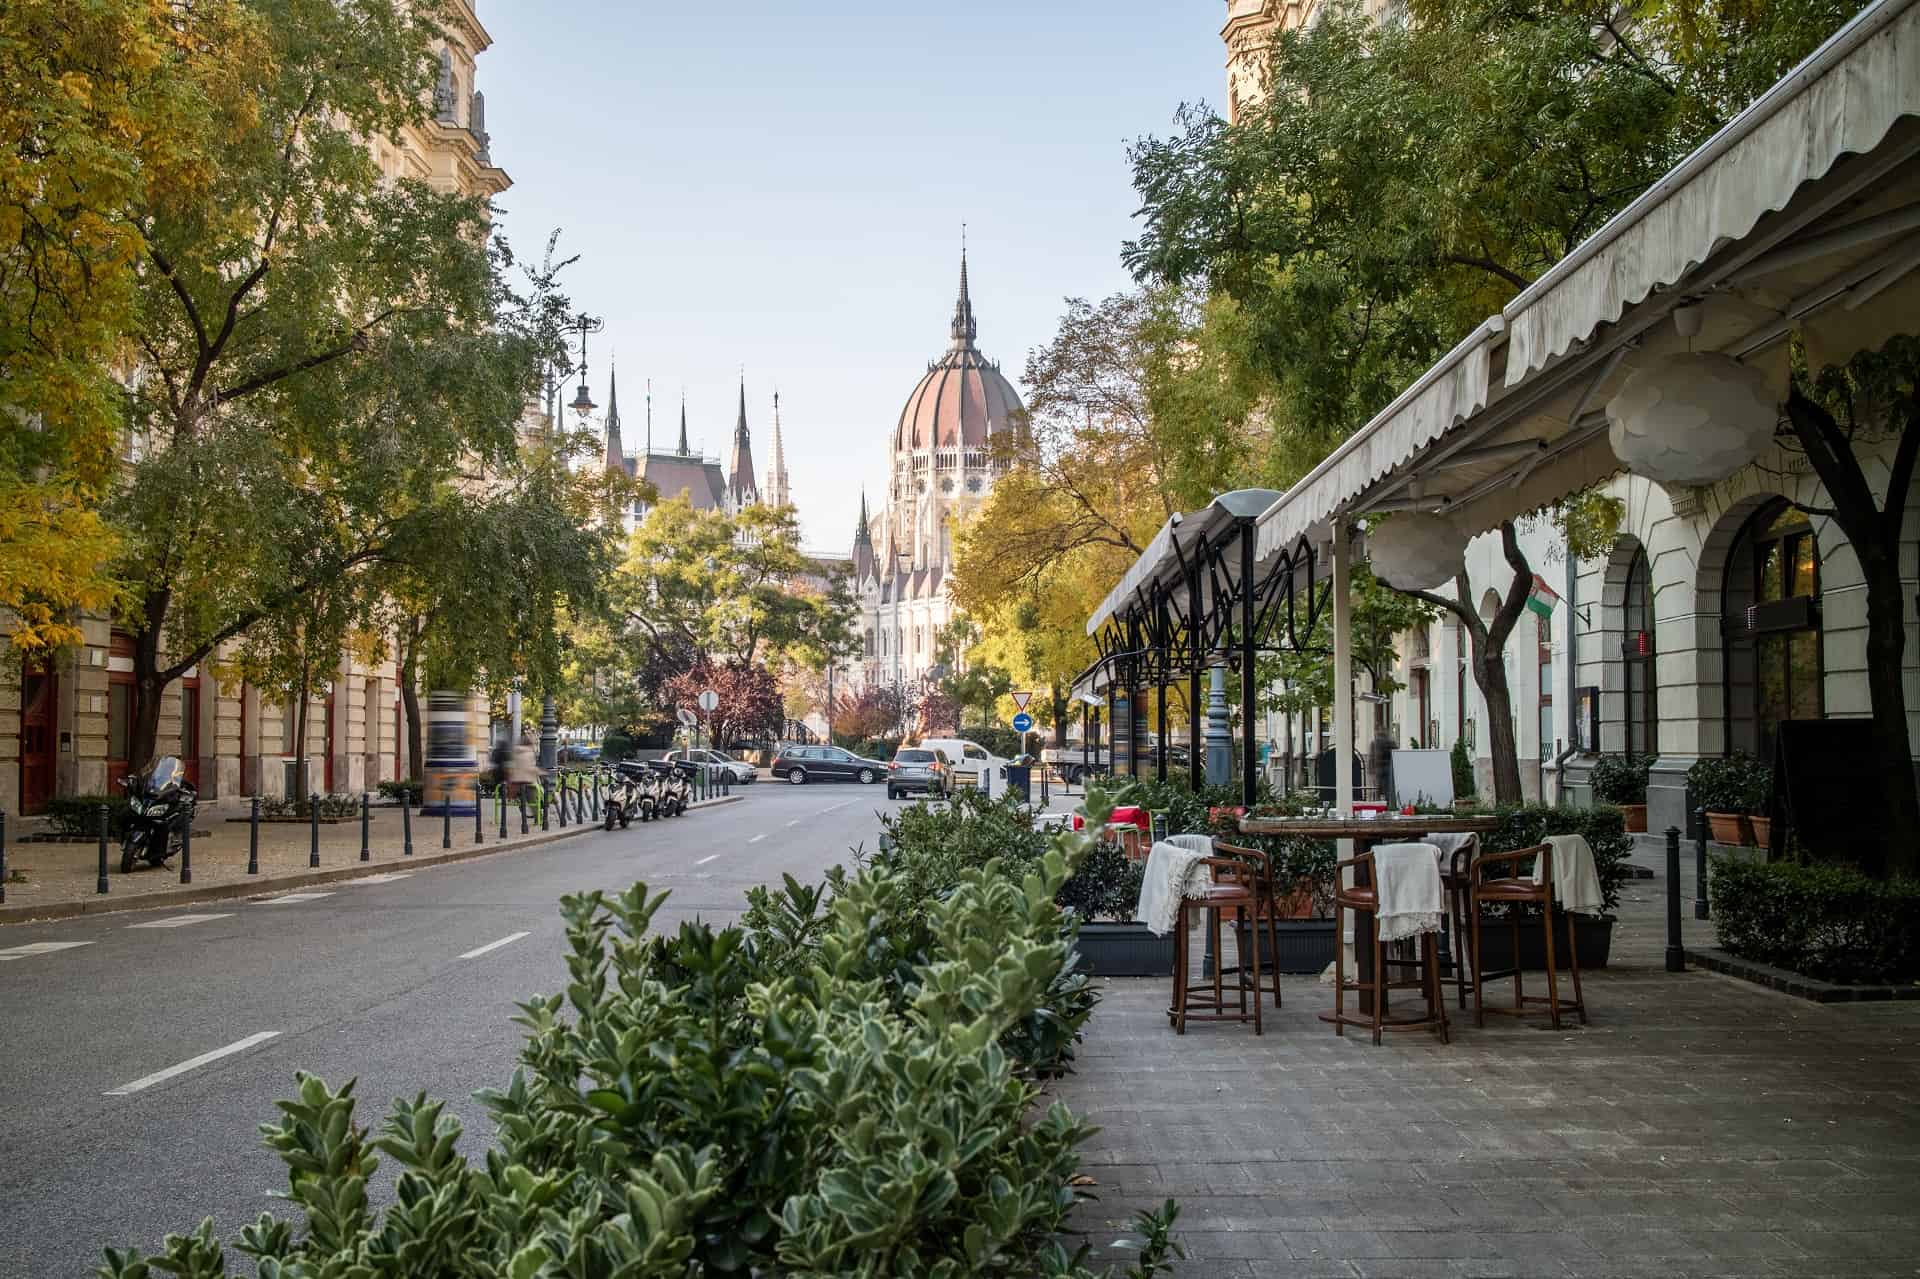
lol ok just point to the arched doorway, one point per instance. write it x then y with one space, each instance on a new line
1770 628
1640 715
39 732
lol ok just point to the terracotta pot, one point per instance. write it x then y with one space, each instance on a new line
1729 828
1762 830
1636 815
1297 904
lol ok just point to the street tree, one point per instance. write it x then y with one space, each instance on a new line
749 709
293 653
972 681
318 347
109 107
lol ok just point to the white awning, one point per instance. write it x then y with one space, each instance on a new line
1160 562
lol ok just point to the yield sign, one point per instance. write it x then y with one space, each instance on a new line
1020 700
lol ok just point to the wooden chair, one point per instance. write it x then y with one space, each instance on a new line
1517 893
1363 898
1241 882
1134 843
1257 869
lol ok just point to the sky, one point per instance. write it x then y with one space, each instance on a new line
779 186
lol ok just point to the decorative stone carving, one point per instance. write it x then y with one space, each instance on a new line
1415 551
443 106
1692 419
477 125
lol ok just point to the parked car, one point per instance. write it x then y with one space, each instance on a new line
801 764
742 771
918 769
972 763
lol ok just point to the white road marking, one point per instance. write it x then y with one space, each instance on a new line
293 899
386 878
794 822
192 1063
178 921
756 839
834 808
508 940
704 860
38 948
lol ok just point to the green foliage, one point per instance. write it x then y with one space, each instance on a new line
411 791
1736 783
1604 827
332 807
1105 886
1299 681
834 1086
616 746
1829 922
76 815
1465 785
1621 779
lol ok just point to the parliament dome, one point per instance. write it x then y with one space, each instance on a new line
963 402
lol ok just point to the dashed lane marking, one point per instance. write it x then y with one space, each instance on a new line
385 878
704 860
179 921
38 948
292 899
508 940
756 839
192 1063
793 823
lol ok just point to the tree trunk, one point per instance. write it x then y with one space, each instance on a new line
410 703
301 706
1490 673
1886 646
144 733
1059 716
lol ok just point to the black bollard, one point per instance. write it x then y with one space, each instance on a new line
598 811
479 809
101 887
446 817
523 808
253 836
560 799
1676 954
3 854
406 823
186 852
313 822
503 812
546 803
1700 863
366 852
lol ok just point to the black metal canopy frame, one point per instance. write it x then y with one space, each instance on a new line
1216 608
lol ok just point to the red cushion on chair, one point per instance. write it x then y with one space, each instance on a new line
1131 815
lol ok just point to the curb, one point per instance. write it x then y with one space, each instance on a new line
109 904
1797 984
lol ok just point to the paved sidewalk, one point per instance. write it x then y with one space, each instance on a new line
63 878
1700 1125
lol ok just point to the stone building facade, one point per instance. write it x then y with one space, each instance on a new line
64 725
1249 32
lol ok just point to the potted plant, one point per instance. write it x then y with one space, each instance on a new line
1621 780
1734 789
1104 893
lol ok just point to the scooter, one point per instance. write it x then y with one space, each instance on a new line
160 805
676 792
621 801
643 785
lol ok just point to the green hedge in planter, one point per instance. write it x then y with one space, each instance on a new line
1621 779
80 814
1826 922
1605 828
412 790
1736 783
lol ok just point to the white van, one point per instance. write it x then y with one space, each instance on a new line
972 765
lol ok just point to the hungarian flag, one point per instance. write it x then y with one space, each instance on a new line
1542 598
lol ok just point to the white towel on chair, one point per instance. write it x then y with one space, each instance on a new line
1169 876
1407 879
1576 883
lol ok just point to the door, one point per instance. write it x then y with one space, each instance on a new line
39 716
190 729
326 743
837 764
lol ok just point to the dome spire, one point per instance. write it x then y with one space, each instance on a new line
683 422
964 328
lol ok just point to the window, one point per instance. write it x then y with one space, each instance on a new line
1770 627
1641 718
1544 635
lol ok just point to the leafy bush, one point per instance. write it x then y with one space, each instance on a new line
822 1089
995 740
1827 922
1605 828
1105 886
1464 785
616 746
334 806
78 815
413 791
1736 783
1621 779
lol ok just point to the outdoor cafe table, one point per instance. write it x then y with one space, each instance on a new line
1366 832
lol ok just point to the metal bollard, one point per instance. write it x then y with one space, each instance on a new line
503 812
598 811
313 817
1700 863
366 817
406 823
3 854
101 887
560 799
186 852
1676 954
253 836
523 808
479 812
546 803
446 817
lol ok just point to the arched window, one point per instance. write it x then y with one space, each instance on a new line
1641 718
1770 626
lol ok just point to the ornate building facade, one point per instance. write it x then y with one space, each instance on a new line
942 463
1249 32
683 471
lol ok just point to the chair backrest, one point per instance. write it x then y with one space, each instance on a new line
1202 844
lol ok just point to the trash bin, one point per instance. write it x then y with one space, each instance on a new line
1018 780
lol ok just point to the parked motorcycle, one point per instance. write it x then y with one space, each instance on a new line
160 804
644 786
621 803
676 791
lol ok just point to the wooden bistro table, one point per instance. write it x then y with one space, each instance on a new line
1365 832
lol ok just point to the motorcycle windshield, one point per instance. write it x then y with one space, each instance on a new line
166 774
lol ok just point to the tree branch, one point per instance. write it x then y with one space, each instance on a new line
358 342
1514 278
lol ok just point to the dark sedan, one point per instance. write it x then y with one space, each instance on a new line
802 764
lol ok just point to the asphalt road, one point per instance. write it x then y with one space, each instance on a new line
407 983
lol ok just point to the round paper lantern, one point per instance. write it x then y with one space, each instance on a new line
1415 551
1692 419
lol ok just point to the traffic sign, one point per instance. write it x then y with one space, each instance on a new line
1020 701
709 701
1023 723
687 717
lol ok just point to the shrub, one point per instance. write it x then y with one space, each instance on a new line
1736 783
822 1089
616 746
412 790
1105 886
1827 922
1464 785
334 806
1604 826
1621 779
78 815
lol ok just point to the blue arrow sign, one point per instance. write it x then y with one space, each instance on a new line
1022 722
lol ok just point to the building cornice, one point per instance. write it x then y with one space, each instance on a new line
468 24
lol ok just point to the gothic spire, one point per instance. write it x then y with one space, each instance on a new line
777 492
616 458
865 563
683 423
964 328
740 482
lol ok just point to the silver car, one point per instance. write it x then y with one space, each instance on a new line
742 771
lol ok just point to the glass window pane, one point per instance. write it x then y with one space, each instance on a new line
1803 657
1770 572
1806 578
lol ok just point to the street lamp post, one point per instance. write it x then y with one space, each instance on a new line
582 405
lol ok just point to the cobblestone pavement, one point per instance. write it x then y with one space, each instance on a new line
1699 1126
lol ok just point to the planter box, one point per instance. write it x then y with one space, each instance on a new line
1123 950
1306 947
1595 935
1730 828
1636 817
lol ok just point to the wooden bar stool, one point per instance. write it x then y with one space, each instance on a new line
1363 898
1513 891
1241 882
